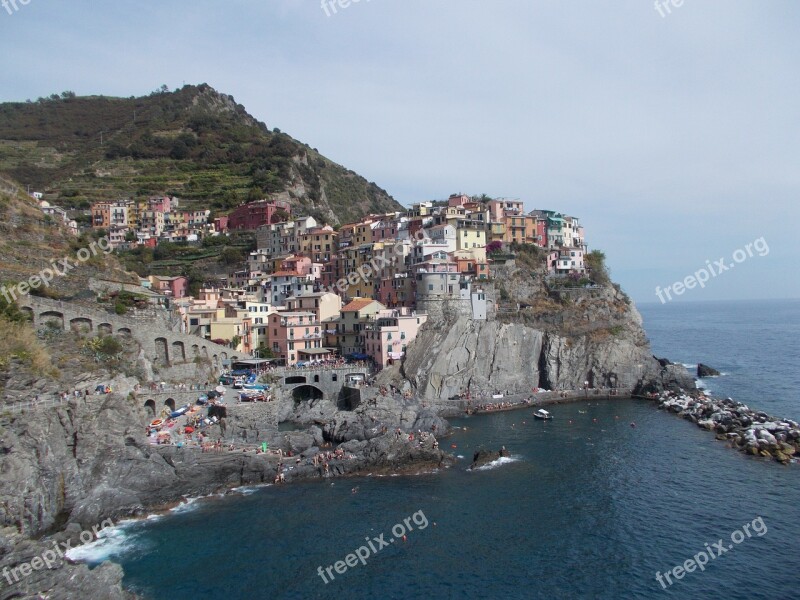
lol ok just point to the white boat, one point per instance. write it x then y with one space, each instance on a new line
542 414
497 396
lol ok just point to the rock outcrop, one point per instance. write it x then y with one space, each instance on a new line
483 457
34 569
598 340
706 371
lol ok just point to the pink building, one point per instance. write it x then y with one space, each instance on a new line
498 209
385 230
290 333
458 200
387 339
397 290
175 287
160 204
297 264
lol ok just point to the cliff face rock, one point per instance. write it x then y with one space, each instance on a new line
88 459
596 337
56 579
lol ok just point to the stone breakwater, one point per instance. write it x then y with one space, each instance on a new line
748 430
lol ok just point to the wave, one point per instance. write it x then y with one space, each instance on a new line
246 490
503 460
111 542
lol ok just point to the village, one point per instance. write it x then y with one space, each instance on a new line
311 293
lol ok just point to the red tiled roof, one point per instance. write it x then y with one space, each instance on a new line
284 274
357 304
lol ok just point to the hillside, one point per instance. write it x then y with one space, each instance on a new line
31 241
194 143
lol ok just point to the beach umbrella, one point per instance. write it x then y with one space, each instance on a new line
188 429
220 389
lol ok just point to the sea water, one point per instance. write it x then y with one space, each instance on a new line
592 504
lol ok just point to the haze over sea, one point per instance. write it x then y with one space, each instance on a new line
588 506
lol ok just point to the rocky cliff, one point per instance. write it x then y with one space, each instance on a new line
539 337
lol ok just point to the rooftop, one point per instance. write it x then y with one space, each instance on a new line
357 304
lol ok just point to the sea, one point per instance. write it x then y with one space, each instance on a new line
600 502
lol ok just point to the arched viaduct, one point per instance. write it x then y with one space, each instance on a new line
163 347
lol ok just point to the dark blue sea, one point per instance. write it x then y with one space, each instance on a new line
588 506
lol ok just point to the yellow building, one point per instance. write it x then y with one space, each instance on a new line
468 238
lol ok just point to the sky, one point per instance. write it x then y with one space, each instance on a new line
672 132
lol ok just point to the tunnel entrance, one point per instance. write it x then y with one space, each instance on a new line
307 392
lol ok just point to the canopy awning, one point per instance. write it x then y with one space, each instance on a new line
315 351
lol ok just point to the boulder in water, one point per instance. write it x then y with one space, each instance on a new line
706 371
484 457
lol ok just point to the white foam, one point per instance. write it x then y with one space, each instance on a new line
461 456
246 490
688 366
188 504
503 460
111 541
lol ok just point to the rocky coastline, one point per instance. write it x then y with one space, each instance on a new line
747 430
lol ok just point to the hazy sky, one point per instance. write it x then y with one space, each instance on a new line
675 138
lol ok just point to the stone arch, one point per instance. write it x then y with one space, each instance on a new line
223 355
334 377
195 350
28 312
234 358
150 408
105 329
307 392
80 324
162 351
53 316
170 402
316 378
295 379
125 332
178 351
205 352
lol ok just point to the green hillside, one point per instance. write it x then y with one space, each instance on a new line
194 143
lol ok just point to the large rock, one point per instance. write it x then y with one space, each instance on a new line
484 457
706 371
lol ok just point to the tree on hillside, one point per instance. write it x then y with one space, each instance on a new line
279 216
595 261
10 311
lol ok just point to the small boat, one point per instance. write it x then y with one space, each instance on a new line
177 413
255 386
542 414
496 396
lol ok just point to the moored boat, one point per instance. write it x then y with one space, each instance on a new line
542 414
